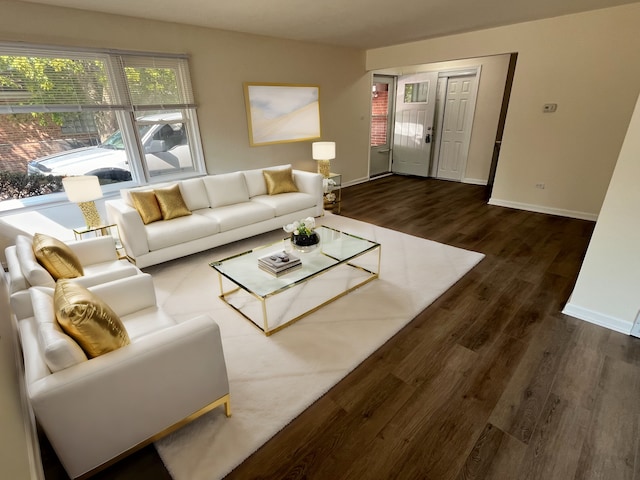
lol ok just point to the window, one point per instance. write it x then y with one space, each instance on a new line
125 117
380 117
416 92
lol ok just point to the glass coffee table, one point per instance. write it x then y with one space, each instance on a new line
340 264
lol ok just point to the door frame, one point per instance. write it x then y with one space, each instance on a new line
391 110
513 60
440 111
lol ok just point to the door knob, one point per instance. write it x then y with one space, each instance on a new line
427 139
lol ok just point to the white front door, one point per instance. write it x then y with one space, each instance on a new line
456 127
413 132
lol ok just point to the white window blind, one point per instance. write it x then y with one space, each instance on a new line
156 83
48 80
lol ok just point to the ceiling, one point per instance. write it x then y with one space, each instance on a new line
351 23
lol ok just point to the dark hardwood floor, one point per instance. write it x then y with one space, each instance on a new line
491 381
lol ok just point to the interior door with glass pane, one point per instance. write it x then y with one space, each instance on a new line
413 133
382 97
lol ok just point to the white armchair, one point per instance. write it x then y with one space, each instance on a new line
97 255
101 409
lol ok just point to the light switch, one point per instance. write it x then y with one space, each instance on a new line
550 107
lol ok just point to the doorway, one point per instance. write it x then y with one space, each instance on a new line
488 87
513 59
382 108
455 108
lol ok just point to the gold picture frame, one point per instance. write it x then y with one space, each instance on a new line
282 112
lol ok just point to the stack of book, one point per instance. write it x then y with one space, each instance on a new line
279 263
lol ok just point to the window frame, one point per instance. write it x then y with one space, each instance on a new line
125 109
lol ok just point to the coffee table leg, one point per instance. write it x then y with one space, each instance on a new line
264 317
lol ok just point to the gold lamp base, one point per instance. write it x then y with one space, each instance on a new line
91 215
324 168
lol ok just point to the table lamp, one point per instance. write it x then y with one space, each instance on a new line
323 152
83 190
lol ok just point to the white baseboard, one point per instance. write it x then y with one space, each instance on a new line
540 209
597 318
356 181
475 181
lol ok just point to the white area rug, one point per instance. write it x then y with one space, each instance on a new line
273 379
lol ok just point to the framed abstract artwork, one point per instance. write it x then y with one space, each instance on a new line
282 113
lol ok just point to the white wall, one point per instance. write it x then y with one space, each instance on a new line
587 64
607 291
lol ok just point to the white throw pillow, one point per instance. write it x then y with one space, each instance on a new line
226 189
59 350
194 194
35 273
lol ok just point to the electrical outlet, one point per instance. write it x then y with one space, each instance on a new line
549 107
540 186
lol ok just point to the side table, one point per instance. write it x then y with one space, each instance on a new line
332 187
101 231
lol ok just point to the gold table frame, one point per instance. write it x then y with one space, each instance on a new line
295 279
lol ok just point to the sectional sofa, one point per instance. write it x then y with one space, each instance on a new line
221 209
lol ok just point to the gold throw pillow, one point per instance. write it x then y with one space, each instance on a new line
279 181
147 206
171 202
56 257
88 320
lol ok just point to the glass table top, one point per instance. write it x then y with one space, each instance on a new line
335 248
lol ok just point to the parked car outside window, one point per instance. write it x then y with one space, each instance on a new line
165 144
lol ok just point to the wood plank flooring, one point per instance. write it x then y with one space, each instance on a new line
489 382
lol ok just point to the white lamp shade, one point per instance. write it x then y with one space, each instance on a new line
84 188
323 150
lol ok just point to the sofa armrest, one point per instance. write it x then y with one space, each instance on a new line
130 225
311 183
118 269
95 249
96 410
127 295
16 279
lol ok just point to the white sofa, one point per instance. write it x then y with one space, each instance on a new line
97 255
225 208
97 410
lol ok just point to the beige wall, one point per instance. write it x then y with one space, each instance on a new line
587 64
493 75
607 291
220 62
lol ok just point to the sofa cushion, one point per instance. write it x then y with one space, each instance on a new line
146 203
171 203
35 273
226 189
88 320
279 181
59 350
180 230
56 257
240 215
286 203
194 194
